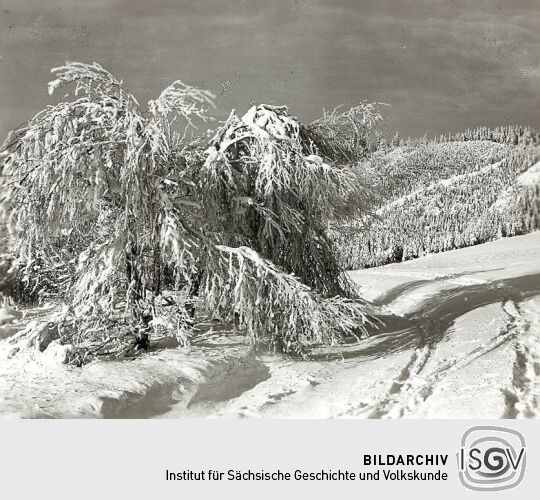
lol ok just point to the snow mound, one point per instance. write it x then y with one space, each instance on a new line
272 120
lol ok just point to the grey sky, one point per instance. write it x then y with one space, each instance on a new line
441 65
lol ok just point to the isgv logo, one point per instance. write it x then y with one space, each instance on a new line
491 458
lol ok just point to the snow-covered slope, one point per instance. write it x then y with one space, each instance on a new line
440 197
462 339
531 177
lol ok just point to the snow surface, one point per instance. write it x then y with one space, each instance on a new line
531 177
461 340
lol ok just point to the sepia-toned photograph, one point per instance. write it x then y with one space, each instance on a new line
269 209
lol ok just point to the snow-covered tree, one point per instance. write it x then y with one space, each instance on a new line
112 203
346 136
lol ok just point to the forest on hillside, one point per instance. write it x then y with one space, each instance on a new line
445 194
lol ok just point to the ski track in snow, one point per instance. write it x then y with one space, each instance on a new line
415 384
524 395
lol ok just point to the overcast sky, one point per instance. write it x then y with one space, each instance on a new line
441 65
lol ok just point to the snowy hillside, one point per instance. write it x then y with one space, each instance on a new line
462 339
441 196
